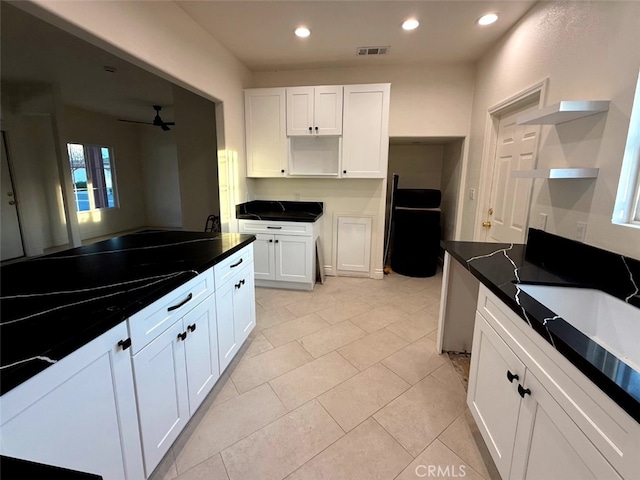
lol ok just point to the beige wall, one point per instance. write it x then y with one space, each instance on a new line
161 186
588 51
163 39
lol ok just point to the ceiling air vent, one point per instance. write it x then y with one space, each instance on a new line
360 51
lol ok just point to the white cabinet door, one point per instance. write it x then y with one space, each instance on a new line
354 244
294 259
365 141
201 349
492 395
300 111
244 314
79 413
264 261
550 446
314 110
328 110
227 344
265 131
161 387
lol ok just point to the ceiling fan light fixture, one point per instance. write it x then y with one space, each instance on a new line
302 32
410 24
487 19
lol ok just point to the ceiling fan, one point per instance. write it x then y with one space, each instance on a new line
157 121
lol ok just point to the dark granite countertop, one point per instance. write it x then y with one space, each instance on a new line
547 259
54 304
280 210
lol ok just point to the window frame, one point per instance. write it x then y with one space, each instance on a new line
86 149
626 210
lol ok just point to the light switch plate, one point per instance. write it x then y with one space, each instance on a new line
581 230
542 223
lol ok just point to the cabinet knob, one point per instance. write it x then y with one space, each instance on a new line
523 391
309 128
282 171
316 129
182 336
277 241
191 328
511 377
270 240
344 171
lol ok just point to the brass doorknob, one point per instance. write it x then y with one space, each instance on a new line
486 224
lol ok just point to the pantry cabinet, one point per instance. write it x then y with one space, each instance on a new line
365 141
265 132
314 110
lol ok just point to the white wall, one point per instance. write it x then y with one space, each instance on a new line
419 166
452 158
81 126
588 51
162 38
159 161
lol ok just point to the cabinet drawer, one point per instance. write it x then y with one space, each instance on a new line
279 228
226 268
154 319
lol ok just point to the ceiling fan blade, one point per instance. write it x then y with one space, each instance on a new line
169 123
165 128
134 121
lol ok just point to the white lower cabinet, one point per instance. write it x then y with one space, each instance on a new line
284 253
116 405
539 416
79 413
174 373
236 313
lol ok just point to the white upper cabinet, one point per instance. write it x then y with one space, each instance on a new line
314 110
266 138
365 140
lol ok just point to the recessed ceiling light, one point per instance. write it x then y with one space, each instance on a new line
302 32
487 19
410 24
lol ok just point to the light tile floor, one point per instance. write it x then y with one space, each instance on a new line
339 383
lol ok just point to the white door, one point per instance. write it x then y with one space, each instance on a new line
549 446
264 257
201 349
300 111
507 214
293 258
11 246
354 244
161 388
244 317
265 132
227 345
328 110
492 396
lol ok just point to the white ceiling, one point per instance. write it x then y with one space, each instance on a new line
259 34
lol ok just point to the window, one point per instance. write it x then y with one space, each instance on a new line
93 176
627 207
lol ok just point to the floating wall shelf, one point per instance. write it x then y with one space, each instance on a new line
556 173
564 111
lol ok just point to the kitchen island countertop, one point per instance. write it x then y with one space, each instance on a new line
54 304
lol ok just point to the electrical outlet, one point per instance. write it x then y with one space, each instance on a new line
296 196
542 223
472 194
581 230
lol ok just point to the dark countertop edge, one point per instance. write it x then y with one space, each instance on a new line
62 350
618 394
281 217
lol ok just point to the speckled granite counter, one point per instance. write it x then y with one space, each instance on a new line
551 260
53 305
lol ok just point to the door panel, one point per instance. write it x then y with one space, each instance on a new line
509 198
293 258
11 246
